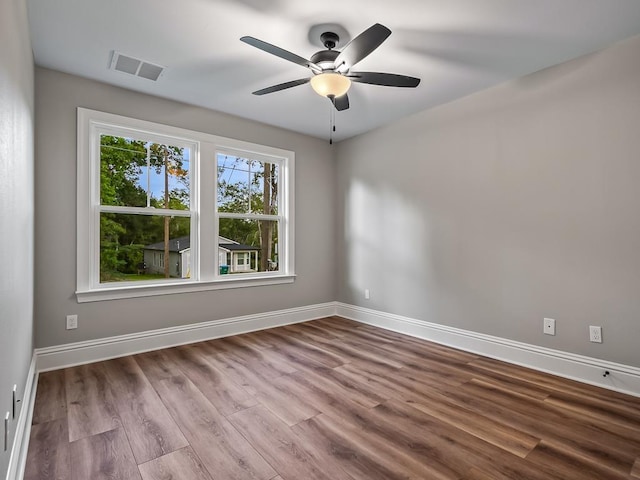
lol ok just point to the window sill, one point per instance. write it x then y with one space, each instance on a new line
148 290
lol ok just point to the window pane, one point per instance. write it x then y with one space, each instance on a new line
135 173
248 245
168 176
241 185
264 200
132 247
233 184
121 178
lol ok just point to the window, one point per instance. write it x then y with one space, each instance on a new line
168 210
248 208
144 206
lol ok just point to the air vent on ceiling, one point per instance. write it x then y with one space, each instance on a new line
134 66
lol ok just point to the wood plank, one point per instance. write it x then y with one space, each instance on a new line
292 340
281 448
48 455
51 401
259 340
601 409
559 459
507 438
284 402
436 369
324 381
338 324
424 348
150 429
361 454
183 463
236 369
550 424
319 400
281 402
355 353
435 443
551 382
157 365
563 421
106 456
509 384
635 470
223 451
318 331
261 362
389 383
222 392
90 401
514 469
295 358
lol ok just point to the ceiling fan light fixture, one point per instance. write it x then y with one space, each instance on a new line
330 84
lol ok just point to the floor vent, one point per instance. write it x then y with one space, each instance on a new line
133 66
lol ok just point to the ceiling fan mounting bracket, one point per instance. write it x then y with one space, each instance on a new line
317 31
330 40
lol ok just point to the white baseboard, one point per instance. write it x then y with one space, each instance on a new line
621 378
62 356
18 458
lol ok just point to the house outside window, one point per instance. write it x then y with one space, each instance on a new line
168 210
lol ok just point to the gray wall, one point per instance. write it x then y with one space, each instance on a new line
57 97
507 206
16 205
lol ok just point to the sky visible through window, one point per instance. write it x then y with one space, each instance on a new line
124 156
156 178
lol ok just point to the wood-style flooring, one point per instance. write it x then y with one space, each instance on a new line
329 399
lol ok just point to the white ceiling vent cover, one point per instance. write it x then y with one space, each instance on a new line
134 66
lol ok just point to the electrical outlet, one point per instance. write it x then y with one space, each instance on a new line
72 322
549 326
367 295
595 334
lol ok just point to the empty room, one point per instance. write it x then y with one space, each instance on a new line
278 240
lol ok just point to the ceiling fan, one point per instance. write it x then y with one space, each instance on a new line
332 74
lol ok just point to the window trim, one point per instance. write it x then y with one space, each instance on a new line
204 224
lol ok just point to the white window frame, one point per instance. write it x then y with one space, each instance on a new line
204 147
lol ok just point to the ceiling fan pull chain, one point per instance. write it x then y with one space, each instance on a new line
332 117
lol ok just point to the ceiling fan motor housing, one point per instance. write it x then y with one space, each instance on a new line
325 59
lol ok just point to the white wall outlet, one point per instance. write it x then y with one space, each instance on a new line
367 294
72 322
549 326
595 334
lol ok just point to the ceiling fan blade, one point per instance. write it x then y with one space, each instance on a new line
362 45
281 52
384 79
282 86
341 103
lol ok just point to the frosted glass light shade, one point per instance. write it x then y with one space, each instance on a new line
330 84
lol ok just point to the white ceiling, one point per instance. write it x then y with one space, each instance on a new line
456 47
